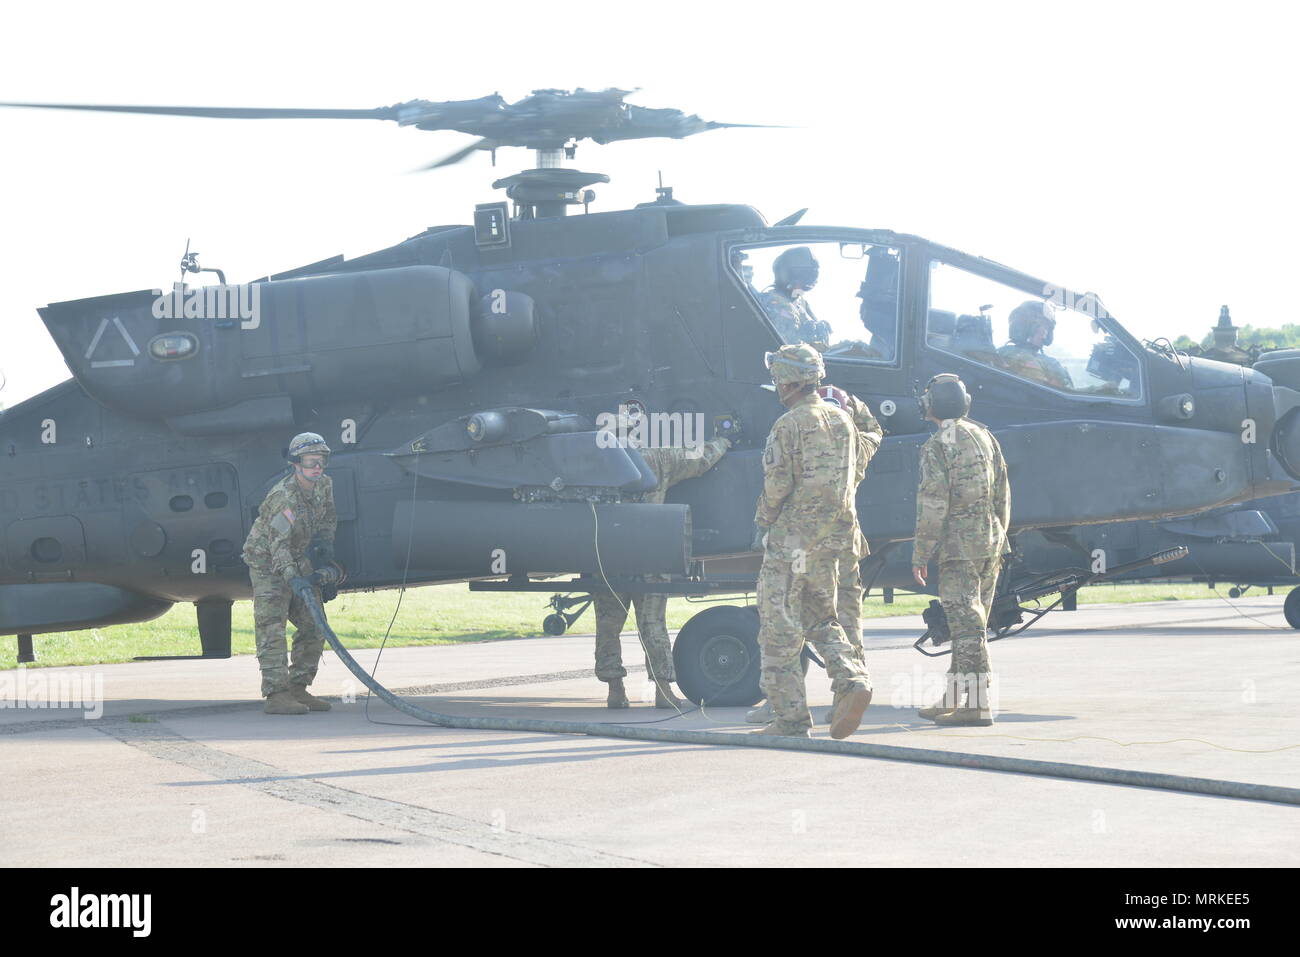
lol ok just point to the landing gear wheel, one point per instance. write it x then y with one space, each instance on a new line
1291 608
554 625
717 659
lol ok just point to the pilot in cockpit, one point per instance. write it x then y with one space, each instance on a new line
1030 327
794 272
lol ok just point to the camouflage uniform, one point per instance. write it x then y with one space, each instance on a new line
1033 364
811 466
794 319
963 508
670 466
848 599
275 552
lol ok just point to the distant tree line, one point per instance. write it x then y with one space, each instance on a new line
1284 337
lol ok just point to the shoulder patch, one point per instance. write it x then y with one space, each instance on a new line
283 521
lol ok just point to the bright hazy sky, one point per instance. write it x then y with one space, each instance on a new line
1145 151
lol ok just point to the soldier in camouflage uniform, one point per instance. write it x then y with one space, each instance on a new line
1030 327
794 272
297 513
809 530
963 510
848 601
848 597
670 466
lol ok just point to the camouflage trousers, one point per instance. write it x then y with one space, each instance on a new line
650 622
273 603
848 604
796 603
966 593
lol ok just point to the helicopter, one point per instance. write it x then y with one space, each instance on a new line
461 377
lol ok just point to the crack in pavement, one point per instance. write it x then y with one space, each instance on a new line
166 745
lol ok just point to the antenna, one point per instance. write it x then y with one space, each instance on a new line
663 194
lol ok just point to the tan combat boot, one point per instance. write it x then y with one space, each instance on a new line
617 697
664 697
950 700
965 718
283 702
302 696
849 711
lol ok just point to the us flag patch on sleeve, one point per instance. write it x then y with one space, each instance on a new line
283 522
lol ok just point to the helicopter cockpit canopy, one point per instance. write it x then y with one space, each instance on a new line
1055 339
842 298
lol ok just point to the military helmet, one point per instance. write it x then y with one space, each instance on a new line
1026 317
945 397
796 265
305 443
796 364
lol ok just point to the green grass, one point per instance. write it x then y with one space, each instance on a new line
438 615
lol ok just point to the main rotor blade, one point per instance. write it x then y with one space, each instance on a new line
453 158
224 112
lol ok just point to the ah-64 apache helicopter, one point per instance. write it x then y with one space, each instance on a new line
460 374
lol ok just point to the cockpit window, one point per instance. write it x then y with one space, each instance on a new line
1056 339
840 298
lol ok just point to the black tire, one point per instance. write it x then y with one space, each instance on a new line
1291 608
717 659
554 625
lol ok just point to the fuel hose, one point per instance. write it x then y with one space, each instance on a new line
861 749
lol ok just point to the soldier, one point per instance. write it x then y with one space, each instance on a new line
670 466
794 272
963 509
848 597
1030 327
808 530
298 512
848 601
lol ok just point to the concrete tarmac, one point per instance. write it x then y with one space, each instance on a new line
182 768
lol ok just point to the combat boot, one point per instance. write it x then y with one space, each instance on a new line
302 696
664 697
950 700
965 718
763 714
778 729
283 702
617 697
849 711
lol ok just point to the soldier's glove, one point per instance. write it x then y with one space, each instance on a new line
760 540
328 578
329 575
320 552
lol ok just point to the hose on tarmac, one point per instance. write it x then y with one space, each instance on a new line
862 749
